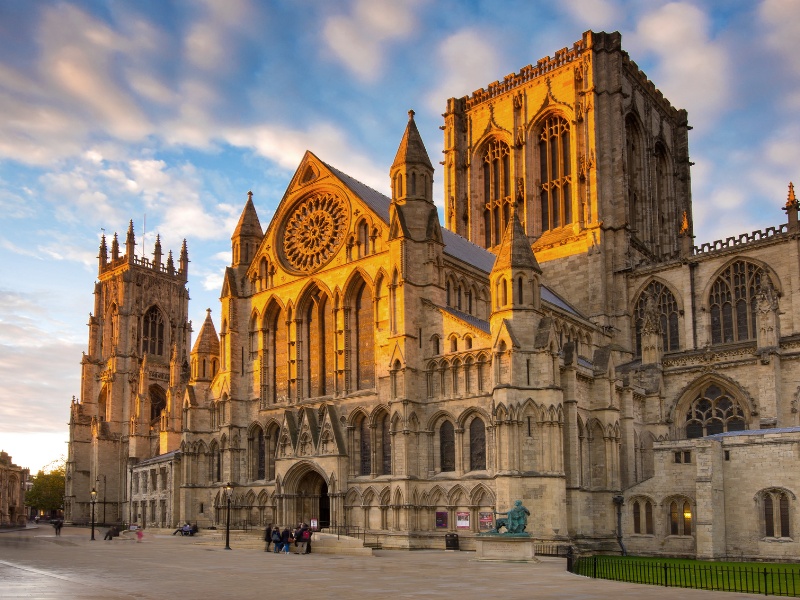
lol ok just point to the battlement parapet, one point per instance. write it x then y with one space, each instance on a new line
641 78
528 73
740 240
144 263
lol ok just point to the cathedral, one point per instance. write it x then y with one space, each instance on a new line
560 340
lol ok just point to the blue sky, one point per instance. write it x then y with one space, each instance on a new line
113 110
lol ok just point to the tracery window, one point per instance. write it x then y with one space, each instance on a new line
275 364
776 513
153 332
477 445
555 192
497 193
713 411
258 454
447 447
667 308
318 353
732 303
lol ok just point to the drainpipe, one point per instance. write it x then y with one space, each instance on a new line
618 502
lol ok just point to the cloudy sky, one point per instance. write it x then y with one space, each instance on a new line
168 112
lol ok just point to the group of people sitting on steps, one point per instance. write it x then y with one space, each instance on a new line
282 541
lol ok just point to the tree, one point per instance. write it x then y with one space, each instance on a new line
47 491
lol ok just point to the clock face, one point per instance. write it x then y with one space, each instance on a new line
313 231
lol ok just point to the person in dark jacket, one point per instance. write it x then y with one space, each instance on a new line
276 539
285 537
268 537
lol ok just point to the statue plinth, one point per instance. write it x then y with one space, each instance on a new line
505 547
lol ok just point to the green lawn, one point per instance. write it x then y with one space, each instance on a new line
778 579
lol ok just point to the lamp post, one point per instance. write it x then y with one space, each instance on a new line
228 493
94 500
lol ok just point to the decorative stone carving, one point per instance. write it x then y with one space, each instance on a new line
313 232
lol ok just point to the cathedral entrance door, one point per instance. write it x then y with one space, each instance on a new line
311 500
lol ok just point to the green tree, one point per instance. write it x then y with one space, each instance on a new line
47 491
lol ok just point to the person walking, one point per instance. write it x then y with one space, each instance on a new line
57 524
302 536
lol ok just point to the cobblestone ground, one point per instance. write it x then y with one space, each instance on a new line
36 564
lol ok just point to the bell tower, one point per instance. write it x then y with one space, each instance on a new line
134 373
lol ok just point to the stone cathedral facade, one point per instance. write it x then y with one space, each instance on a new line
561 340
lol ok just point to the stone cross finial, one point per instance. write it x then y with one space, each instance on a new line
411 114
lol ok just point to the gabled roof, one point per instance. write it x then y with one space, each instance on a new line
467 318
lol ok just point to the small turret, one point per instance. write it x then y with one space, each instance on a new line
115 248
170 264
184 261
791 209
516 273
103 256
157 253
130 243
205 353
412 171
247 235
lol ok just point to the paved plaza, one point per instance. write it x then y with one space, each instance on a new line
36 564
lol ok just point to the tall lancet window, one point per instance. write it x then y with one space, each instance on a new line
497 193
555 194
153 332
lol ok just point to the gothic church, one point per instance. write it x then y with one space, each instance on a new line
561 340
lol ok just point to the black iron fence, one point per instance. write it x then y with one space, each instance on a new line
754 579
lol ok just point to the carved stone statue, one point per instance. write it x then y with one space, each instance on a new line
516 519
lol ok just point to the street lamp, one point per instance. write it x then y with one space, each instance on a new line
94 500
228 493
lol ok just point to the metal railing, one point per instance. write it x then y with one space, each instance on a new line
753 579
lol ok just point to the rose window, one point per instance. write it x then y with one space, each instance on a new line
313 232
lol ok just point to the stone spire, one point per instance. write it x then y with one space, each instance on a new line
205 349
184 261
103 256
170 264
791 209
412 149
247 235
157 253
515 249
130 243
115 247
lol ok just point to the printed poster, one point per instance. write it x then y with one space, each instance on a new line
462 520
486 521
441 519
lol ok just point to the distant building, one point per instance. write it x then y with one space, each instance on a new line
13 484
561 341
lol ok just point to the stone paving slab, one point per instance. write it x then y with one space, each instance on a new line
36 564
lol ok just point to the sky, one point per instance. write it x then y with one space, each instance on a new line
168 112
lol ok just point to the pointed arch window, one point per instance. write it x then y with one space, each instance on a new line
680 518
732 302
776 514
365 448
555 192
647 527
667 308
319 351
364 339
477 445
275 361
153 332
386 446
158 402
447 447
497 193
258 451
714 410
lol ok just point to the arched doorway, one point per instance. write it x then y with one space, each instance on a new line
312 501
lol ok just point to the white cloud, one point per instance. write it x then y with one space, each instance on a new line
693 69
358 40
462 77
597 14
